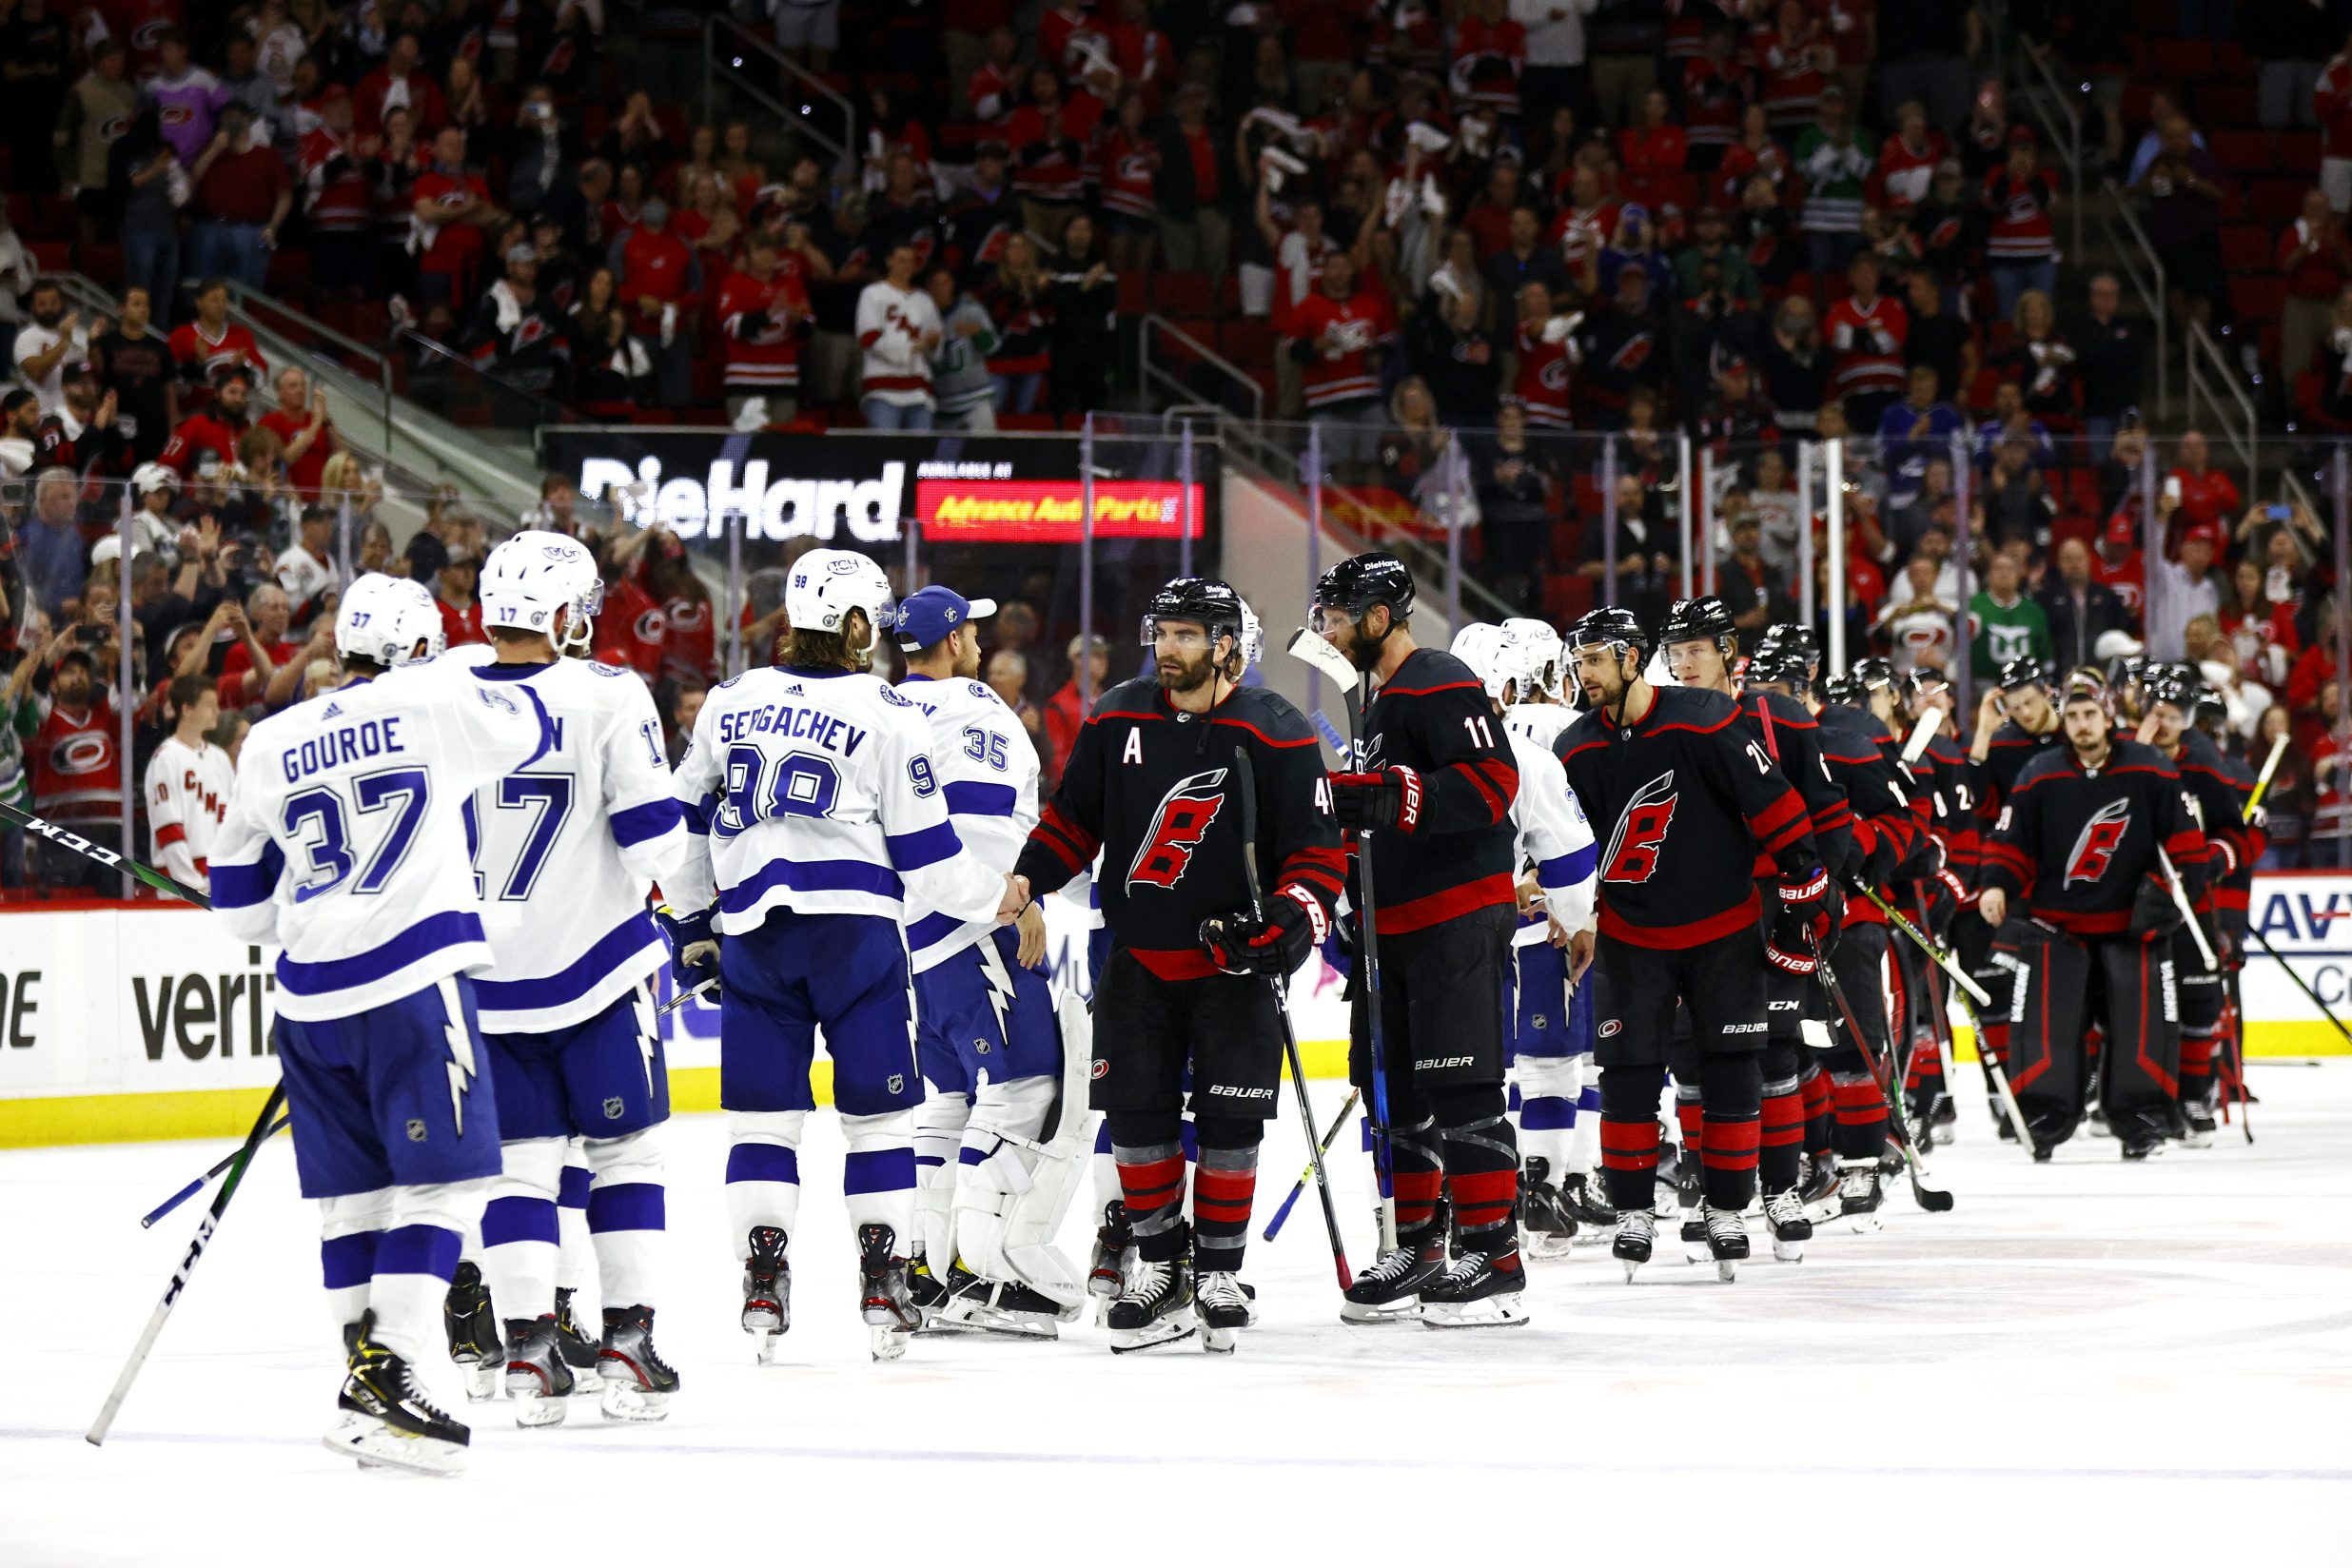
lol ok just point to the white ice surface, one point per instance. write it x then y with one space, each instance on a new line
2084 1361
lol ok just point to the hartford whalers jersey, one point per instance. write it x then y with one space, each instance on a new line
345 839
987 773
565 851
1552 836
814 791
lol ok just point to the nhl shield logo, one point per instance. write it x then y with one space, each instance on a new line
898 1083
980 1046
612 1107
416 1130
1540 1021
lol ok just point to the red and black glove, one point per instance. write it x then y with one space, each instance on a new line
1275 944
2154 916
1389 797
1805 929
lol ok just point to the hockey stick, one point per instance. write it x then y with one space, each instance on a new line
148 1221
2262 784
1928 1198
1940 1022
1996 1076
240 1164
1922 733
2188 916
1246 775
1928 945
1331 1135
1310 649
105 856
683 997
2255 932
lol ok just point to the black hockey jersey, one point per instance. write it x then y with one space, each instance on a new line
2220 803
1151 786
2076 845
1943 771
2236 884
1432 716
1683 801
1868 769
1792 737
2012 746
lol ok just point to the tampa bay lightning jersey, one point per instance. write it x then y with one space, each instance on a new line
814 791
1552 836
988 773
345 837
565 851
1540 722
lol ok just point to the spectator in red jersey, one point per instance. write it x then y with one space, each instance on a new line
2120 564
1653 156
2331 105
1146 59
451 207
763 310
2263 640
2316 260
1065 710
1755 154
211 344
77 770
658 286
1048 137
1488 220
218 426
261 666
1128 161
2201 493
1547 351
1716 90
336 197
1907 161
994 90
690 630
1340 333
401 81
300 420
2021 244
1866 332
1015 298
453 593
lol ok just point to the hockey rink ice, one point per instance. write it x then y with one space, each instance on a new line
2084 1360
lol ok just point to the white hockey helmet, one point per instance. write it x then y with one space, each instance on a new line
1253 635
389 621
825 585
1480 645
1536 647
534 577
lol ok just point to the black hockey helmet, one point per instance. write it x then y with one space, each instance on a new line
1871 675
1791 634
1207 601
2023 671
1780 664
2212 714
1922 682
2165 684
1611 625
1359 583
1843 690
1695 620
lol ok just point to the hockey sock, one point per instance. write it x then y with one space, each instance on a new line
1780 1152
520 1238
1629 1133
1690 1120
348 1232
1814 1087
1730 1089
1225 1180
1419 1160
627 1213
1861 1130
414 1260
2197 1052
763 1174
575 1256
1151 1178
939 1123
877 1179
1481 1168
1548 1088
1584 1137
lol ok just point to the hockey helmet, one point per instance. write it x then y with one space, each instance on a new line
1693 620
1800 638
1214 605
1610 626
2079 689
1779 664
2212 711
1536 647
1843 690
2023 671
1359 583
825 585
1871 675
535 574
1484 647
1253 640
1924 681
389 621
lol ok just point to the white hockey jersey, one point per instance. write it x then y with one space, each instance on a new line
1553 834
565 851
1540 722
188 791
345 837
988 772
814 791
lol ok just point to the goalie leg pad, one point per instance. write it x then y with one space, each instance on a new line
1022 1156
939 1125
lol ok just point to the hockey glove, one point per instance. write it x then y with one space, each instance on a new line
1244 944
1881 855
2154 916
693 949
1804 931
1389 798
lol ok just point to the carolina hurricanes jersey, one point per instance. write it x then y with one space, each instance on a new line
565 851
766 353
1685 802
77 770
1862 761
1542 380
2076 843
1869 344
1341 372
2021 228
1433 716
1553 837
2217 803
345 837
1792 736
987 770
2012 746
187 790
814 791
1152 787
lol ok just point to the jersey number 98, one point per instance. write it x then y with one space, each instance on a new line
759 787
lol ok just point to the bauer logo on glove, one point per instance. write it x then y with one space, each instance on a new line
1386 797
1242 943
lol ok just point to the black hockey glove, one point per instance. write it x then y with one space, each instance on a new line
1390 797
1805 930
753 322
1242 943
2154 916
1880 860
693 949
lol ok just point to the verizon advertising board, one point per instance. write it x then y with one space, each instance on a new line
856 491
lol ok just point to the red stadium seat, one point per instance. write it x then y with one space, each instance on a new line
2243 151
2275 200
2258 299
1184 294
2249 248
1248 341
1566 597
2298 151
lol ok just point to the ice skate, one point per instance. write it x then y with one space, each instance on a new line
638 1383
889 1310
1003 1306
1150 1311
767 1291
537 1379
941 1312
1551 1228
473 1328
1817 1194
1727 1242
579 1351
2141 1147
1225 1306
1583 1198
384 1418
1694 1235
2198 1119
1390 1290
1858 1193
1475 1292
1636 1235
1114 1251
1785 1213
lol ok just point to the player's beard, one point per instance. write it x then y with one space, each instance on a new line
2092 753
968 661
1185 675
1364 651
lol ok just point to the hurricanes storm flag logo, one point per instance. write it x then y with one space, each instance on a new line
2097 843
1177 829
1640 832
